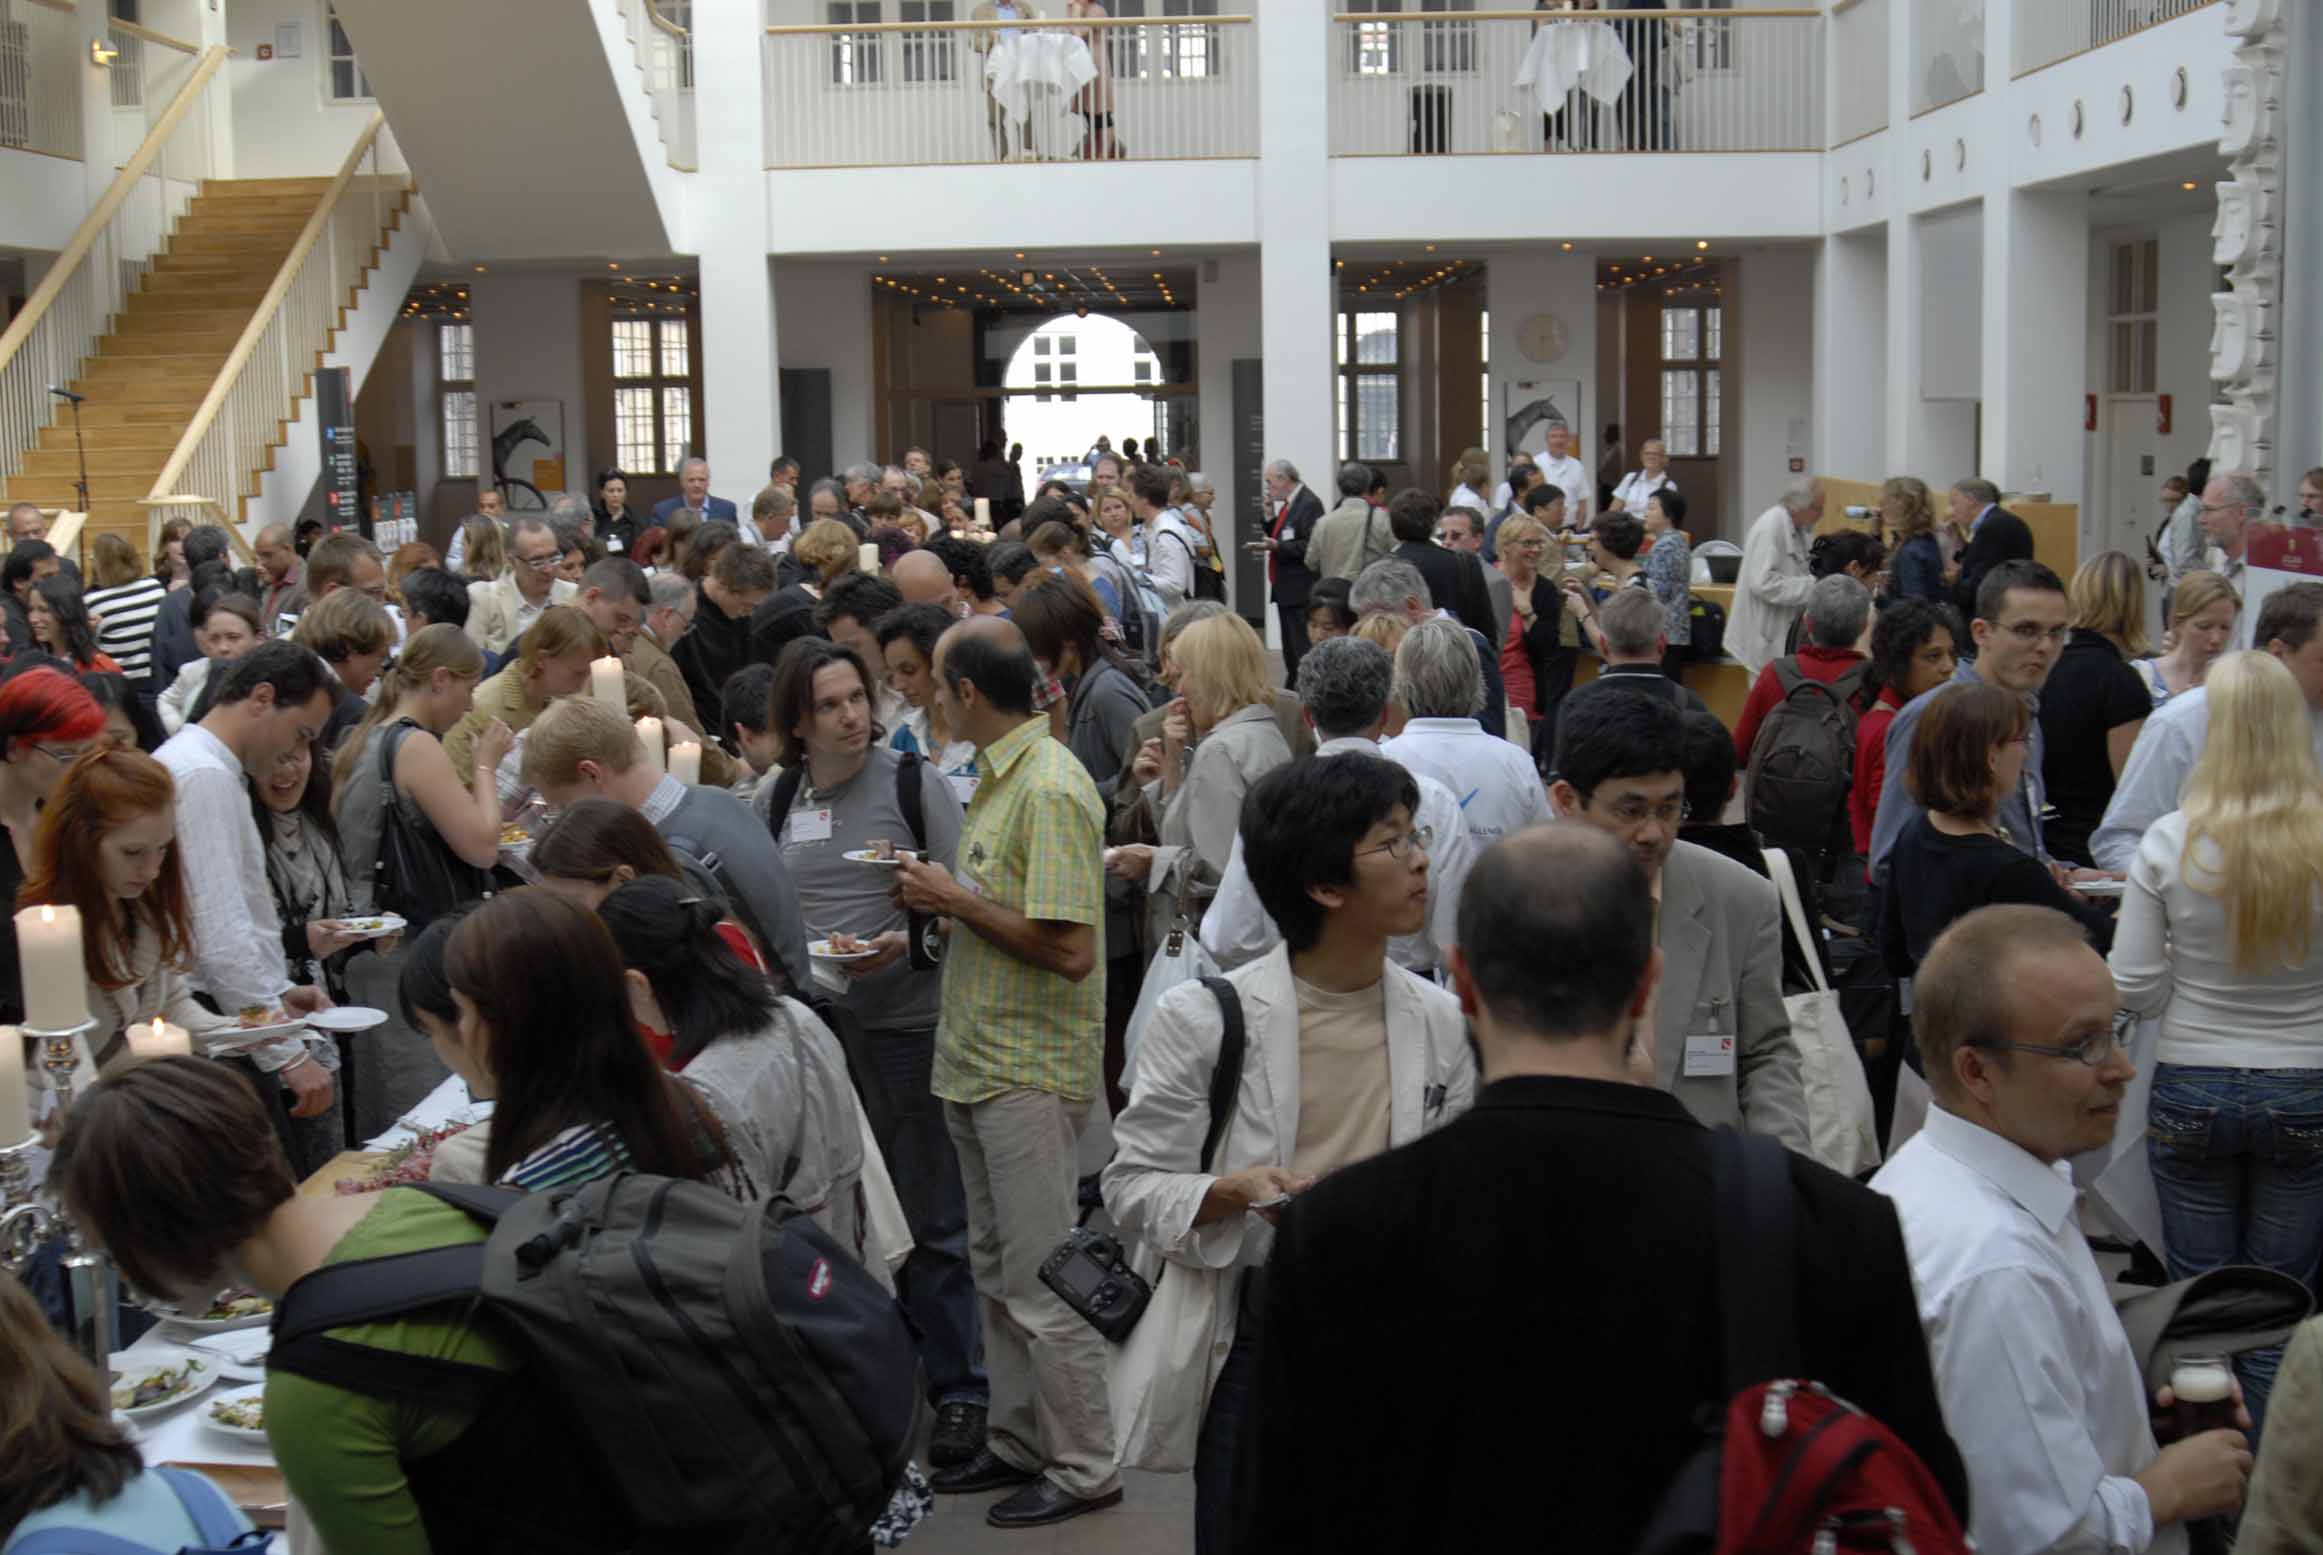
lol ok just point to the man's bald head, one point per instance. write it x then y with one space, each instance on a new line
274 551
923 579
27 522
988 654
1600 917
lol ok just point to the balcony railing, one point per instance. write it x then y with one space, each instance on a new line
1948 51
894 95
2059 29
41 58
1515 81
1859 34
665 53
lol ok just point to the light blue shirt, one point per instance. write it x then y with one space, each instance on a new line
2155 775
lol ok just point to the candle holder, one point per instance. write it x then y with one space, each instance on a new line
29 1221
59 1056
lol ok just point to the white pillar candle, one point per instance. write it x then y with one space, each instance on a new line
983 512
160 1039
685 761
649 735
56 984
15 1116
867 558
605 684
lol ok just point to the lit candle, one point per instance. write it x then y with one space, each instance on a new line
605 684
15 1116
983 512
649 735
160 1040
56 984
685 761
867 558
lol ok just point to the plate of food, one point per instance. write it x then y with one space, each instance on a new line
227 1311
514 838
157 1379
347 1018
841 947
879 851
375 926
241 1414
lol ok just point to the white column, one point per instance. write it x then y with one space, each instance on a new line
2035 328
1907 435
741 418
99 156
1851 382
1294 211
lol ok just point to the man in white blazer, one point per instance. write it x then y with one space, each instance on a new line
500 610
1346 1055
1722 1036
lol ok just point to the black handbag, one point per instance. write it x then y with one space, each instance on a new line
415 875
1088 1271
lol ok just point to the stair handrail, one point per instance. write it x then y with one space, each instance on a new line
309 236
116 195
153 35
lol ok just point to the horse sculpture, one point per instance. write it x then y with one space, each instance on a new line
505 442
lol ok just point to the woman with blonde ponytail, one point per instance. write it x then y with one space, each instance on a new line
2220 937
425 695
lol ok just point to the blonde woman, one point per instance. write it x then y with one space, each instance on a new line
485 549
826 552
552 662
2219 937
2093 703
1218 737
1916 565
2203 608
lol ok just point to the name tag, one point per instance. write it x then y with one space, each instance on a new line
613 544
1713 1054
809 826
963 785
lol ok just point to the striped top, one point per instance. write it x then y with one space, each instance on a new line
126 636
582 1153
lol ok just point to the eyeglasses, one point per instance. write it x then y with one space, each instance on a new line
2030 632
1400 848
2091 1051
63 756
541 563
1636 812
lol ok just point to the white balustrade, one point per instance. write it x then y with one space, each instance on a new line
1948 51
1612 80
218 460
41 60
2054 30
898 95
1859 58
665 54
83 291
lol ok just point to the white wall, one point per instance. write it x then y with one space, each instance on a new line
284 125
529 347
823 317
1517 286
1226 326
40 201
1772 421
1951 304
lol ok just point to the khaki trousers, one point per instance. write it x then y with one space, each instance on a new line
1019 1165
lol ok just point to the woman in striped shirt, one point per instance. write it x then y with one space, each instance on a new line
125 598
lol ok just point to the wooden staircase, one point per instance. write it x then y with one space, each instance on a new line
149 376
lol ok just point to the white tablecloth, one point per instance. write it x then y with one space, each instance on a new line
1564 55
1042 58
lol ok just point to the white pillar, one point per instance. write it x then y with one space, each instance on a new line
2036 346
741 416
1294 221
99 156
1851 382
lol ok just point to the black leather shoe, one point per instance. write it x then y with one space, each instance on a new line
1043 1502
959 1434
984 1470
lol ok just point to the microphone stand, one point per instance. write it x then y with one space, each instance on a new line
81 453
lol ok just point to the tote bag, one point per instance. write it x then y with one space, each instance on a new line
1840 1129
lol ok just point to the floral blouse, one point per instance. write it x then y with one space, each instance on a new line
1669 568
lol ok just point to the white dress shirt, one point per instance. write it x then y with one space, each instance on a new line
237 935
2037 1379
2173 954
1467 496
1170 549
2236 571
1568 477
1770 590
1237 929
1498 787
2155 775
1637 486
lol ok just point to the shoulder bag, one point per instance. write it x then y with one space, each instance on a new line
415 875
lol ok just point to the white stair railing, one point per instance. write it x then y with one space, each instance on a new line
2060 29
217 462
76 302
665 53
41 59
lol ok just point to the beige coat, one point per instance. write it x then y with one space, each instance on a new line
494 607
2284 1513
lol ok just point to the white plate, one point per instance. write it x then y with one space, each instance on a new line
866 856
240 1432
243 1036
377 925
204 1372
347 1017
821 950
218 1325
2100 887
241 1356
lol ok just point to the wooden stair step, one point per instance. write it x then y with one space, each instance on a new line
199 367
57 490
180 396
45 464
197 293
140 437
167 343
136 323
231 187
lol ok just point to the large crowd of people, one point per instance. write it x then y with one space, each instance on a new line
864 846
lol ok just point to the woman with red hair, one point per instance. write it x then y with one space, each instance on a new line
47 719
106 847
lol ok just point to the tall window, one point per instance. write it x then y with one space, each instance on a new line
2132 324
1484 362
456 398
653 395
1370 387
1693 339
854 55
347 83
1377 48
929 56
1186 52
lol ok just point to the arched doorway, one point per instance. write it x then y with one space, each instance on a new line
1059 422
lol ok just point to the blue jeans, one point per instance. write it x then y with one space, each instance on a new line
938 1293
2237 1158
1216 1448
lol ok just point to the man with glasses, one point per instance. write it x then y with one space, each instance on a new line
1722 1041
1995 535
2017 1025
502 610
2231 504
2022 620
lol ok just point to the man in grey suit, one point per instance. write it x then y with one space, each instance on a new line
1722 1038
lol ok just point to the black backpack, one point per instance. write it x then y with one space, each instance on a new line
1802 762
745 1384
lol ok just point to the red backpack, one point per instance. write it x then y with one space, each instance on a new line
1788 1467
